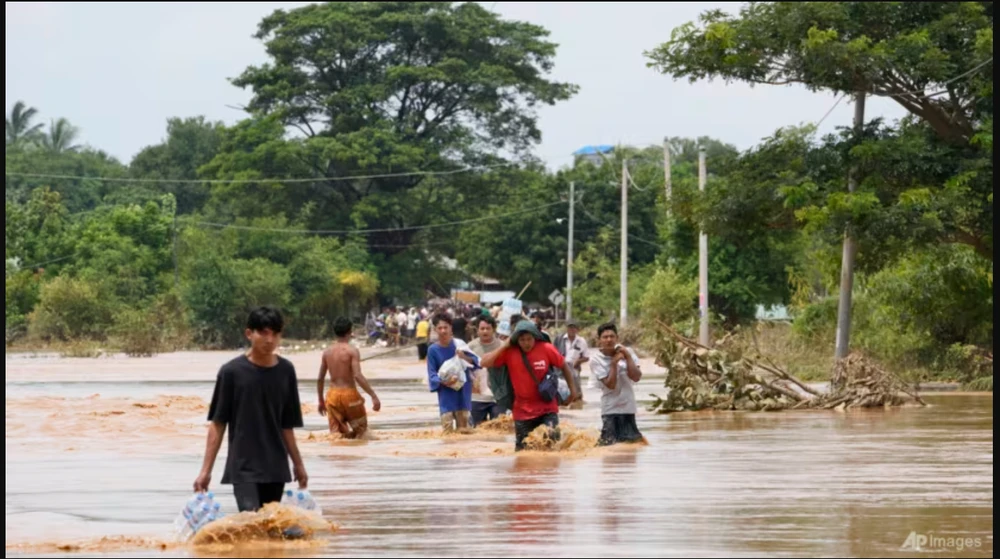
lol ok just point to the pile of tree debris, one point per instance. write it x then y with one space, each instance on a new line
730 378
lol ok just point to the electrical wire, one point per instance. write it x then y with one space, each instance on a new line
247 181
373 231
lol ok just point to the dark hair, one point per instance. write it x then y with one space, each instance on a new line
515 320
342 327
605 328
266 318
443 318
489 320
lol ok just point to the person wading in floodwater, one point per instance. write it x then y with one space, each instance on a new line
484 405
575 350
616 368
257 398
455 405
343 405
528 347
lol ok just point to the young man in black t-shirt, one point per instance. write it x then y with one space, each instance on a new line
257 399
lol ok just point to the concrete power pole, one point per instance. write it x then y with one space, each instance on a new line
570 255
668 175
177 270
850 251
624 252
704 337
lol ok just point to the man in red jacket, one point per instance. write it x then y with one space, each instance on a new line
527 345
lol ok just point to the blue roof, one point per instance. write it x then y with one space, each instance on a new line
593 150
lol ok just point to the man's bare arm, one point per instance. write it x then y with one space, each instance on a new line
320 385
216 433
362 381
570 375
299 467
612 381
634 372
491 358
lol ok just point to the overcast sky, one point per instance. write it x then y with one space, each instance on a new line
119 71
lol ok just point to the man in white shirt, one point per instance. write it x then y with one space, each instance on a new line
575 350
411 324
401 321
617 369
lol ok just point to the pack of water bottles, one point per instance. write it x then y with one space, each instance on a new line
302 500
200 511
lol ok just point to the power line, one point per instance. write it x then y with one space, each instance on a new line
923 92
615 228
373 231
830 112
908 93
47 262
246 181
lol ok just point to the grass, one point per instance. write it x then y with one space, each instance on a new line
811 362
81 350
984 384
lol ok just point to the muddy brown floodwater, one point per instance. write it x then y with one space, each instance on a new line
101 454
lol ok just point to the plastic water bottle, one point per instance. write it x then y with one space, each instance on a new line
185 520
215 514
198 512
305 501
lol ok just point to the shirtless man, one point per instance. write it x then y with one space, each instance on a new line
343 406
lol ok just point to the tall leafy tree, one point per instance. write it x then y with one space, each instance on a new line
190 144
21 128
382 88
933 58
901 50
61 137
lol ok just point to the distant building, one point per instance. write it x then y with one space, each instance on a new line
593 154
475 289
773 314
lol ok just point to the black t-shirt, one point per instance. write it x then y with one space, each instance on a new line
257 404
459 326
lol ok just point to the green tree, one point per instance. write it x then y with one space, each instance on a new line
528 245
38 231
61 137
73 309
900 50
670 297
391 87
895 49
79 194
132 244
190 144
21 129
220 292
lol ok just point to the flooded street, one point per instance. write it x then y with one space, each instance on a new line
110 448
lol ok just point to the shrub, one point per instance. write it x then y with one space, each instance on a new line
221 292
70 310
138 333
670 298
156 328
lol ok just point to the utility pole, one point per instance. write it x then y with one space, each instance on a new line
667 173
624 253
669 181
177 273
704 338
850 249
570 255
